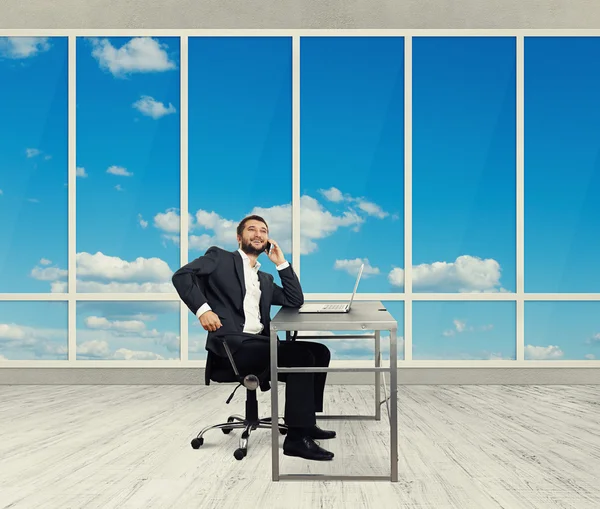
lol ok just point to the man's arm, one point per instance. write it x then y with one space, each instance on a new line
183 280
291 294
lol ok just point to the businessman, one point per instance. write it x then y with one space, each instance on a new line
232 298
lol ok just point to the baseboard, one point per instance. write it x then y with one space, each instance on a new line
406 376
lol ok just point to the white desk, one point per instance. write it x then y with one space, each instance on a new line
364 316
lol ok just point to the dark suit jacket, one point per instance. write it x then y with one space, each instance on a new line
218 278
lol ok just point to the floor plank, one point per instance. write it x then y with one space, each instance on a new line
459 446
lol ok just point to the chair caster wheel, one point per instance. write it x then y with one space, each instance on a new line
226 430
197 442
283 431
240 454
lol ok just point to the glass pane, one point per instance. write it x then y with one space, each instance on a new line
240 140
33 331
562 169
131 331
464 164
352 163
128 151
33 164
562 330
464 330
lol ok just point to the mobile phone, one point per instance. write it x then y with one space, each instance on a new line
268 248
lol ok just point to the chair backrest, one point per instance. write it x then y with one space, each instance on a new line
218 370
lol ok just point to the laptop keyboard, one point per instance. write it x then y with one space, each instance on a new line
334 306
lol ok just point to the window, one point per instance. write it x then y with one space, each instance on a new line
562 172
140 331
240 140
33 164
128 151
33 331
464 164
351 163
562 330
464 330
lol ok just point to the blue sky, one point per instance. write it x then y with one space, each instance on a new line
351 184
562 168
33 163
128 152
464 330
464 164
240 140
351 162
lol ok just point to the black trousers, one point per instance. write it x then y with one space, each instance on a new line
303 391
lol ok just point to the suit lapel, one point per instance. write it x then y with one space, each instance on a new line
264 306
239 270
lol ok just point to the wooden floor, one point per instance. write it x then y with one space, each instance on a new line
459 446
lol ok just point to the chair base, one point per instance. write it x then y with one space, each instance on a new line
239 422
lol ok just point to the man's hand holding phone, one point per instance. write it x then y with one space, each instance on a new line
275 254
210 321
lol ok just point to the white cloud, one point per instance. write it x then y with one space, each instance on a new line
143 224
590 356
48 273
315 223
100 273
116 287
2 358
99 322
47 158
596 338
132 355
332 194
119 188
118 170
466 274
353 266
371 208
140 54
103 266
80 172
43 343
1 192
32 152
543 352
93 348
200 242
461 326
44 261
23 47
11 331
318 223
33 200
168 221
130 335
152 108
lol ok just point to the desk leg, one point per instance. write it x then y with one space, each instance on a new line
394 404
274 407
377 375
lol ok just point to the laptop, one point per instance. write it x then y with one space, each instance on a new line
331 307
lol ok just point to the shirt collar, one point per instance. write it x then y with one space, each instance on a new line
247 260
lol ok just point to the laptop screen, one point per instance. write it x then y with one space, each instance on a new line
356 285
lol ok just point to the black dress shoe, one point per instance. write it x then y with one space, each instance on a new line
320 434
305 448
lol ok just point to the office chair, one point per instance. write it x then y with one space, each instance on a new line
220 371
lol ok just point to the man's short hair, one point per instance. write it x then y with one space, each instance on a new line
243 222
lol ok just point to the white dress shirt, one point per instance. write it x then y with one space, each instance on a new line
252 323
